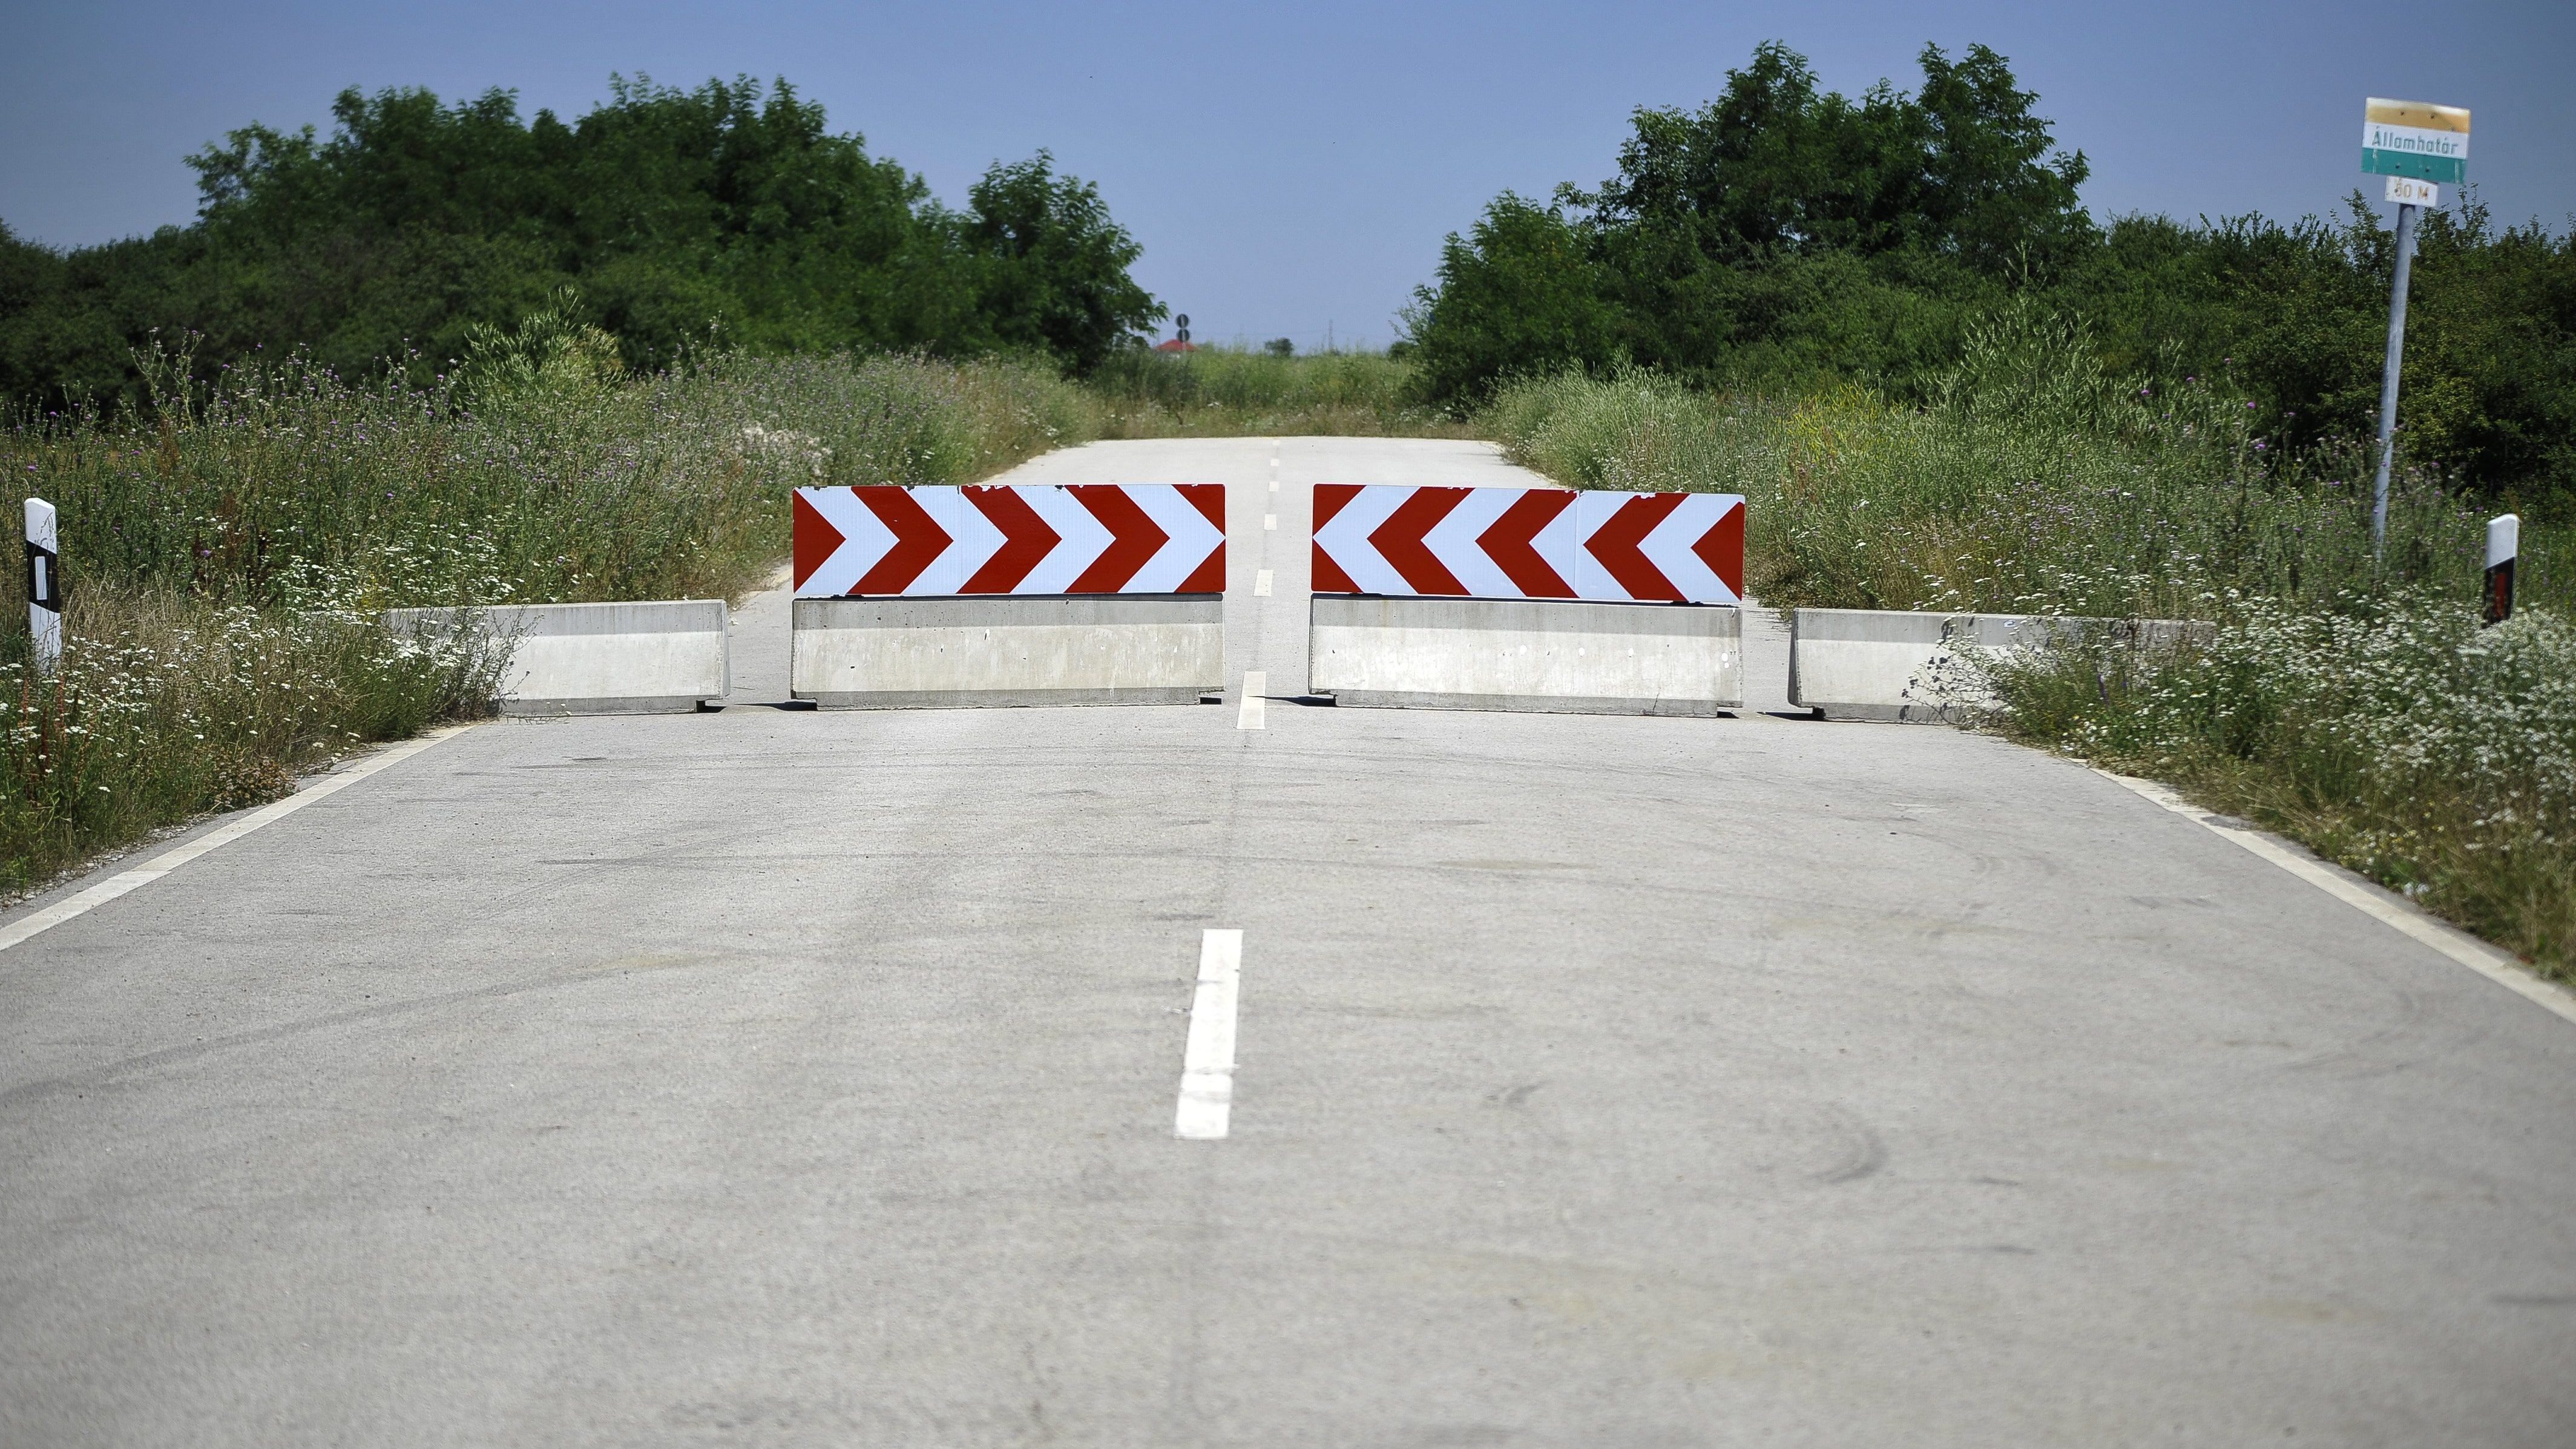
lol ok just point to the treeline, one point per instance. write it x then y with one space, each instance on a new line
1785 236
727 216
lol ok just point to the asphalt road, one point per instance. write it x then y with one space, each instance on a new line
785 1078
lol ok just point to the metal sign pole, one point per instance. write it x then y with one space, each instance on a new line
2420 147
2388 378
44 586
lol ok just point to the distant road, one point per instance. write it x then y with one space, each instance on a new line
775 1078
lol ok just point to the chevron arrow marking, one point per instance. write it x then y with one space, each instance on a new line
1399 540
1133 538
1722 547
1613 545
1026 540
1144 538
918 540
1511 543
815 539
1324 570
1528 543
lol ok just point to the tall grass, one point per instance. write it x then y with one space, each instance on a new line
2353 703
1228 392
286 478
229 552
2033 483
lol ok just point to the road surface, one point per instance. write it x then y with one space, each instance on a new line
791 1078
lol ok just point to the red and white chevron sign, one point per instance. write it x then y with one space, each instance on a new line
1029 538
1529 543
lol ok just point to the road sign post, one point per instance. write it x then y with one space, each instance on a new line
44 586
2418 147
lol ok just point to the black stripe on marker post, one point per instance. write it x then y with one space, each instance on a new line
44 577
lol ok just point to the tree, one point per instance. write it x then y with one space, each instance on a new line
1520 293
1055 264
414 223
1779 227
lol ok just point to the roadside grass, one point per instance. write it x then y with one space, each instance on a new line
1226 392
228 554
2392 735
2034 483
2353 705
168 706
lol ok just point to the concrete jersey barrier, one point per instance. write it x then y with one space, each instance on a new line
1527 654
1886 664
936 597
1592 602
634 658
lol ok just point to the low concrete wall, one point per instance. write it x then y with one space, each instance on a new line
1885 664
1527 654
640 658
948 653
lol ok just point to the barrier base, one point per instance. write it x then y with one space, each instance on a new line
1540 655
1532 703
996 698
1008 651
631 704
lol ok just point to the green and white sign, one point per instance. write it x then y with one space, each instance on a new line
2412 138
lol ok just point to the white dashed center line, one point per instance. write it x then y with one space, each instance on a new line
1249 715
1261 583
1207 1063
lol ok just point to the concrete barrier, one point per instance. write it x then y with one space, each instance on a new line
639 658
1527 654
1883 664
946 653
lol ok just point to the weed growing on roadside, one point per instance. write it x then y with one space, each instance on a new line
2393 734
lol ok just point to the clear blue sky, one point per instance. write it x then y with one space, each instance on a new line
1293 168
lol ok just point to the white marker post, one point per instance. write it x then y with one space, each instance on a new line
44 586
2418 147
2504 540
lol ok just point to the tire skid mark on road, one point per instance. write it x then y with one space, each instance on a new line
108 1073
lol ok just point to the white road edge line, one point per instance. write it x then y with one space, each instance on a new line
2492 962
39 922
1261 583
1207 1064
1248 716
